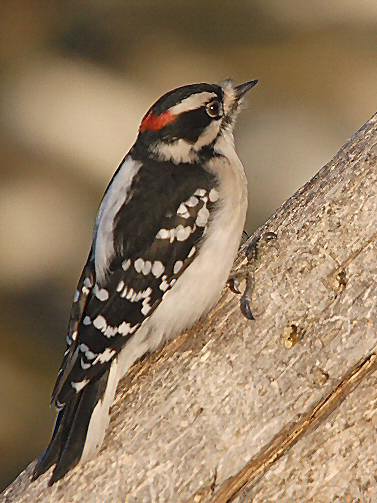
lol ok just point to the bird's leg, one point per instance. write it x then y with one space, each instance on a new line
253 253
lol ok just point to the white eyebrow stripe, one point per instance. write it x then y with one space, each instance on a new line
192 102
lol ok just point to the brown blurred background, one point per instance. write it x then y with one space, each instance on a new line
77 76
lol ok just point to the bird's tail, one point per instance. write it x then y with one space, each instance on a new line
80 426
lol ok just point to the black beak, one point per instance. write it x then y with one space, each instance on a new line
242 89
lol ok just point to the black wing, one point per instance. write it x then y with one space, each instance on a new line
80 301
156 236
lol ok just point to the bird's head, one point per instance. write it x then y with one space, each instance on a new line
191 118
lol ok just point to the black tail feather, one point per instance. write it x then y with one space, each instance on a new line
59 435
50 456
70 432
73 446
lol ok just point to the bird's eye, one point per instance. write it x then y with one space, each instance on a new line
214 109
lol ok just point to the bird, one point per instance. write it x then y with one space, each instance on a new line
165 238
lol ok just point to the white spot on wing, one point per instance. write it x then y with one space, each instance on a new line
89 355
202 218
124 328
86 321
110 331
177 266
182 233
157 268
200 192
100 322
137 297
84 365
134 297
88 283
138 264
147 292
163 234
105 356
101 293
164 284
192 201
125 291
126 264
182 211
213 195
192 251
147 267
145 309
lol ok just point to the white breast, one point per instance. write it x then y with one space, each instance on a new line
111 204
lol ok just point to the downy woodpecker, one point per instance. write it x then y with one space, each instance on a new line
165 238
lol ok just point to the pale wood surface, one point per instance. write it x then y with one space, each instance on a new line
209 416
337 463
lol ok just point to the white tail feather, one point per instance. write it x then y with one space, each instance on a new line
100 418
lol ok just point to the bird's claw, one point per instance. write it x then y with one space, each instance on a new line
252 254
234 283
246 298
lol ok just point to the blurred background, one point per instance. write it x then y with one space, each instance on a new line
76 78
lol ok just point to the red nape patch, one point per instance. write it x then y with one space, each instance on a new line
156 122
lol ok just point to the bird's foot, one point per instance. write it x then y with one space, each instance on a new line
253 253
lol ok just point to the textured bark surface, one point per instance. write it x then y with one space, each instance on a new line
229 410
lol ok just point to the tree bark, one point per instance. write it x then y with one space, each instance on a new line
278 409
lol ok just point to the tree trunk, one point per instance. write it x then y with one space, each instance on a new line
227 412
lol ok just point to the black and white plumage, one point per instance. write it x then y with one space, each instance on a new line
165 239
